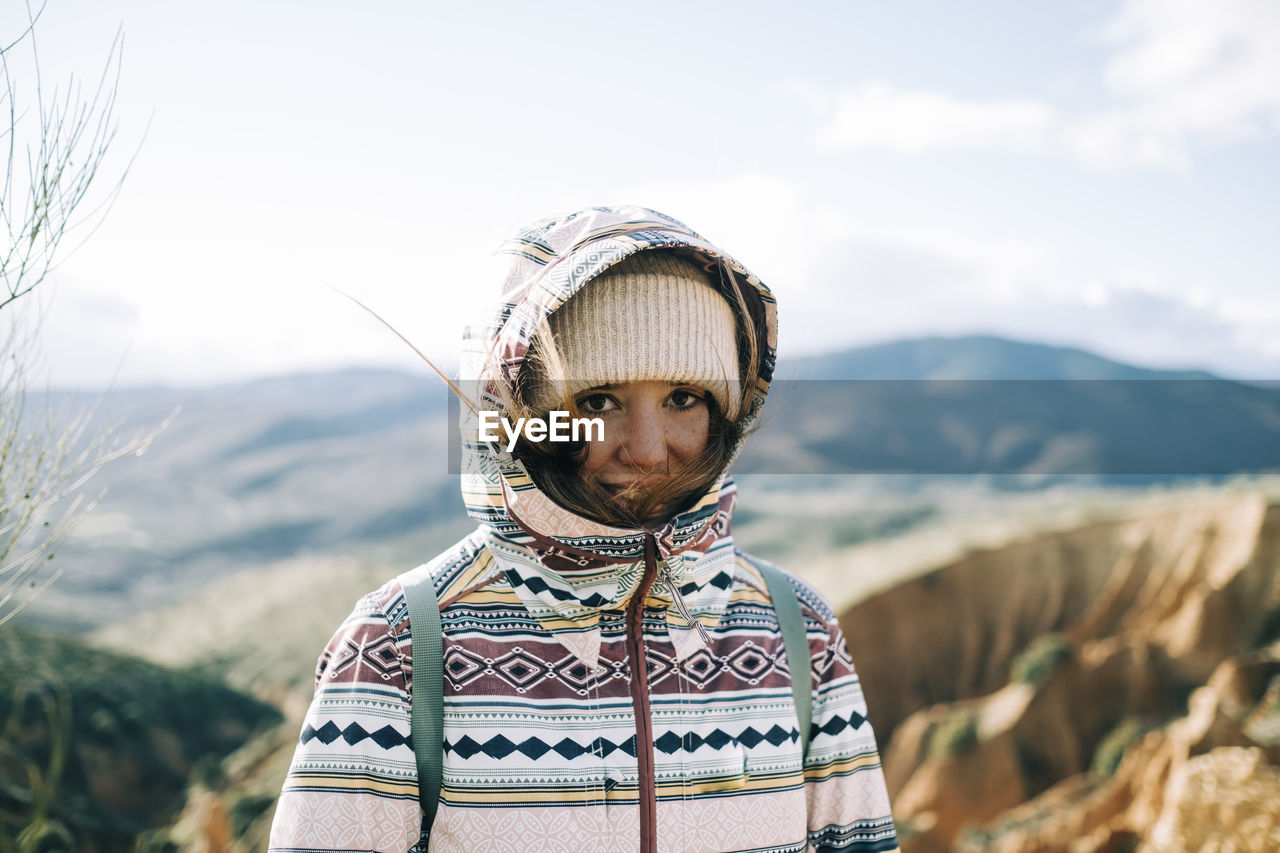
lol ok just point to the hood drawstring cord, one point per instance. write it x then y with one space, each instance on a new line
681 607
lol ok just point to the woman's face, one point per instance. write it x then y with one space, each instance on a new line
652 430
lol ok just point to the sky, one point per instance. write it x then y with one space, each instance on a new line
1101 174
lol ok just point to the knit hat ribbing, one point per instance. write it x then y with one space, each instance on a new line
652 316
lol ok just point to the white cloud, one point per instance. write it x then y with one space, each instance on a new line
879 115
1181 75
1130 316
1185 73
995 269
82 331
841 282
902 289
775 227
768 222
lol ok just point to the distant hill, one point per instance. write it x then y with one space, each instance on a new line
332 463
985 406
354 462
969 357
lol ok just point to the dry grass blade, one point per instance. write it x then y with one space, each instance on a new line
447 381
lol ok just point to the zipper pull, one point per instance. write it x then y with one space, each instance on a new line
681 607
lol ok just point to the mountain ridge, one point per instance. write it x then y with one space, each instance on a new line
971 357
974 356
353 460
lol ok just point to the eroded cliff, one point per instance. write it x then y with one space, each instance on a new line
1112 687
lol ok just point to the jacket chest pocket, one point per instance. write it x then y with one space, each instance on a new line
732 756
705 770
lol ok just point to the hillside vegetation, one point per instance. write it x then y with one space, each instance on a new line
98 747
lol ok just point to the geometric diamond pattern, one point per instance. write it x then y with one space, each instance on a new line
749 663
573 672
750 738
537 586
836 725
383 658
524 670
385 737
670 742
700 668
521 669
462 667
832 655
657 666
341 658
500 746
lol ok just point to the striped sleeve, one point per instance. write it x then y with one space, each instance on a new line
848 802
353 782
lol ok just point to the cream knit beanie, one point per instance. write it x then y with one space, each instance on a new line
652 316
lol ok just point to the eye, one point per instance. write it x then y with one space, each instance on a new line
596 404
682 398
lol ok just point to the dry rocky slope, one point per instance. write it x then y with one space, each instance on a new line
1103 686
1113 687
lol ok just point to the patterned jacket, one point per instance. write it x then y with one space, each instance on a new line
554 740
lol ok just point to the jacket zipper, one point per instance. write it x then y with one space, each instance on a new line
647 783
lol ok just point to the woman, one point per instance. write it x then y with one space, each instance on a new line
590 556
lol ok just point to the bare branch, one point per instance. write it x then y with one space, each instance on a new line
72 135
48 453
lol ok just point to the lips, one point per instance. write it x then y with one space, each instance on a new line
642 484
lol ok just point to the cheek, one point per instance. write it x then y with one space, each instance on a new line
594 457
688 438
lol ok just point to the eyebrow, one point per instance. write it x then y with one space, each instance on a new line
609 386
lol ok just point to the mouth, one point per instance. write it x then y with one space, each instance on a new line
641 484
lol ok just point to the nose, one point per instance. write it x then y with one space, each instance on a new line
643 442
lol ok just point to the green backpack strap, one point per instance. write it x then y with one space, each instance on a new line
796 644
428 689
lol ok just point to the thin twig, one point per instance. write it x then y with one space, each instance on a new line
31 23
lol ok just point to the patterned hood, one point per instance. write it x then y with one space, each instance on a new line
570 567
